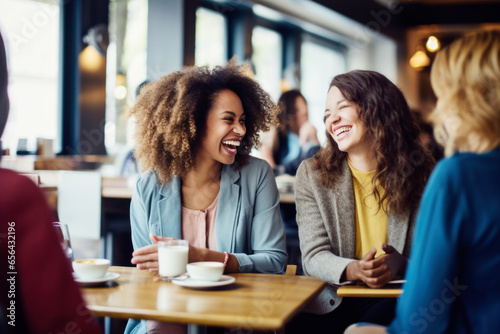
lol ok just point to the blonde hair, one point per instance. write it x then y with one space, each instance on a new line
466 79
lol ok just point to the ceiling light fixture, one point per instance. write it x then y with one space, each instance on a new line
419 60
433 44
121 88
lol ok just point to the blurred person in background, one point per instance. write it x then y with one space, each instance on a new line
39 294
294 140
452 284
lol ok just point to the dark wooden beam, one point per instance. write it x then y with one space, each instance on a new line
190 7
371 14
422 14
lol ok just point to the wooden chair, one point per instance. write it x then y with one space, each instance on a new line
291 269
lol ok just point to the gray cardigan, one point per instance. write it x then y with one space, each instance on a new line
327 232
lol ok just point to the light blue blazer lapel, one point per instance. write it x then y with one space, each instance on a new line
227 209
169 209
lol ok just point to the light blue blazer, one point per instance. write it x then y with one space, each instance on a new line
247 223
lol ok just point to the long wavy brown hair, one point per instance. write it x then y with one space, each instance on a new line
171 115
403 164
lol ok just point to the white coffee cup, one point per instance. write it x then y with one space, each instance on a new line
205 271
172 258
91 268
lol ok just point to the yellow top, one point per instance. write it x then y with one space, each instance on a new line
371 223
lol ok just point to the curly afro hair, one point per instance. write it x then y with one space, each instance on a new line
171 114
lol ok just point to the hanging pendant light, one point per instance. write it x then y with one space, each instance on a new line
419 60
433 44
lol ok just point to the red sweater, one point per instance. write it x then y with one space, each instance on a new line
38 293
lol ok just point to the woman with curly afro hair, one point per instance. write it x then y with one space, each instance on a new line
357 198
195 129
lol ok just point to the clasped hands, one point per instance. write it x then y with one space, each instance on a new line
376 272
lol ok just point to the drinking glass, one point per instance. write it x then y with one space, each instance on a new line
62 232
172 258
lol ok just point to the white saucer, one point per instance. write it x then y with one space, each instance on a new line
95 281
198 284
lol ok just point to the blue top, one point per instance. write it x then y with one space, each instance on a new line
291 149
290 154
453 274
247 223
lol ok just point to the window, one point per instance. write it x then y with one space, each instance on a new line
267 59
319 64
126 70
211 38
30 30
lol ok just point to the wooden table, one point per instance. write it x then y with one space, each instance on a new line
362 290
254 301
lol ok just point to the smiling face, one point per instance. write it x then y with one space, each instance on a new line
225 128
344 125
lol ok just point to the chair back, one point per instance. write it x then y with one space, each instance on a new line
79 203
291 269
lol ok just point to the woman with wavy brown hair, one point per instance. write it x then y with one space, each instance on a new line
195 130
357 198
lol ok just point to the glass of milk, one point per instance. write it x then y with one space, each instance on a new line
172 258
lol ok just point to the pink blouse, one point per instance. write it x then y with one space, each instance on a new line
198 226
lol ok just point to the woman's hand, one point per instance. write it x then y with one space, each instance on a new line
147 257
376 272
394 260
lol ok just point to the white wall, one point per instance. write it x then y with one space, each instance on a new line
380 55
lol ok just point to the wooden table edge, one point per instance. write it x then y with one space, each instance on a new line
268 324
362 291
133 313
